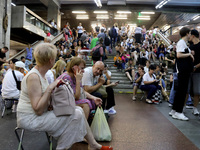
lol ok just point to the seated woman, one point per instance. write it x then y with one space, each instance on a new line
74 74
150 84
56 71
130 73
125 58
34 101
118 61
137 81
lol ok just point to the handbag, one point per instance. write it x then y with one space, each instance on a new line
102 91
63 100
99 126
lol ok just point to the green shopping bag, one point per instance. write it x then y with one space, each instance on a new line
99 127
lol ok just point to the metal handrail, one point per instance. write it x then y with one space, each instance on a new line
166 39
24 50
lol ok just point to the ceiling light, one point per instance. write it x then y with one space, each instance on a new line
100 12
98 3
102 17
195 17
124 12
144 12
13 4
161 4
120 18
140 18
188 21
79 16
144 16
82 17
79 12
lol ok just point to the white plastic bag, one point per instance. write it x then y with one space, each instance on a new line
99 127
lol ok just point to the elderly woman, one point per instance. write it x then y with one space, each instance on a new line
34 100
74 74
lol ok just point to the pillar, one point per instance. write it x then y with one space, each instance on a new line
5 24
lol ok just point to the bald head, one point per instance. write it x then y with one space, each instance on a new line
98 68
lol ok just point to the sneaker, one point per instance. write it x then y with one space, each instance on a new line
105 111
190 106
155 101
195 111
133 98
112 111
180 116
170 105
172 112
149 101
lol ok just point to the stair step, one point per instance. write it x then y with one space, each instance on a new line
124 86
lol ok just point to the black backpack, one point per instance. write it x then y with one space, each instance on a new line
96 54
107 41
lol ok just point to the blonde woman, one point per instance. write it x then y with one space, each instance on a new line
56 71
34 101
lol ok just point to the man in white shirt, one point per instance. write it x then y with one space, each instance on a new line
138 34
150 84
93 79
11 87
80 30
184 67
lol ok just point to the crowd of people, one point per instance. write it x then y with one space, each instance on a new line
137 52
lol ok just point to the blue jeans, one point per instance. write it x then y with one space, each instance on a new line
151 89
113 39
173 92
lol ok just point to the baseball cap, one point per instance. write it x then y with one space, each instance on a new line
195 33
20 64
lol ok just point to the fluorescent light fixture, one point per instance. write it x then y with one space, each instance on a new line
188 21
82 17
124 12
13 4
196 17
145 12
162 3
98 3
120 18
140 18
102 17
100 12
79 12
79 16
144 16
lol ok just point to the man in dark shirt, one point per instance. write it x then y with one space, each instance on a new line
3 54
97 28
195 48
67 57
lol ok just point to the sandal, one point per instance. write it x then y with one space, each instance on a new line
106 148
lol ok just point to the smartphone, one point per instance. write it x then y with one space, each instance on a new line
117 82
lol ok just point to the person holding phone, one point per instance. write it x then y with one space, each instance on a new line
74 74
150 84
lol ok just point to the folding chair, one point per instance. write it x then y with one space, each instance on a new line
20 139
4 101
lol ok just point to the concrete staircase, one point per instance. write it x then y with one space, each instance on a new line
124 85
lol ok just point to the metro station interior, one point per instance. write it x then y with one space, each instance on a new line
136 125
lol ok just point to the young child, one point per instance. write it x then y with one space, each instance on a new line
118 62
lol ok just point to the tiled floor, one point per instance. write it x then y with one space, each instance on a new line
136 126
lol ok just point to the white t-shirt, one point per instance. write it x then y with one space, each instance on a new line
109 73
80 29
155 31
146 69
181 46
138 30
88 78
9 86
147 77
129 40
117 29
49 76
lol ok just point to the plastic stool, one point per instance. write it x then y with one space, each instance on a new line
20 139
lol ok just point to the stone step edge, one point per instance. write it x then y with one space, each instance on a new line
139 92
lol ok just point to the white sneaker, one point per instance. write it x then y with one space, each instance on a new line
180 116
172 112
170 105
112 111
133 98
105 111
195 111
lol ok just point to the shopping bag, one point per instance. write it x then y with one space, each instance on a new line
99 127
